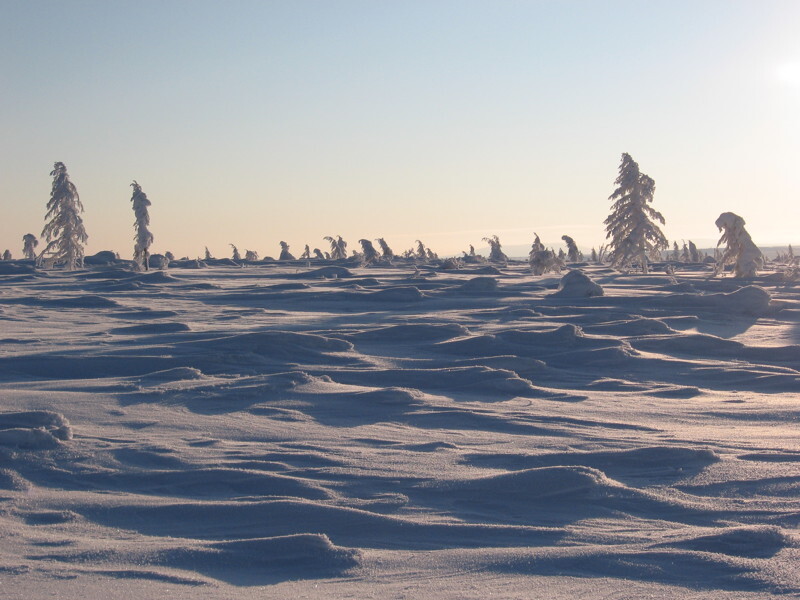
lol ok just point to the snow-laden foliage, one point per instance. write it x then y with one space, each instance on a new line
169 255
573 254
338 247
318 254
544 261
631 226
694 255
285 254
369 254
421 251
496 253
142 237
537 245
250 255
7 254
741 251
306 253
385 249
236 255
207 255
29 243
64 230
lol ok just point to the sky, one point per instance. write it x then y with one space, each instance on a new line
255 122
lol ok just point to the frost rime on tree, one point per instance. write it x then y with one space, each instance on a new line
143 237
496 253
631 227
370 255
741 250
387 252
29 243
64 232
338 247
285 254
573 254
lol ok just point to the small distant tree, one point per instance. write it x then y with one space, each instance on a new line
64 232
208 254
594 255
537 244
236 255
685 253
250 255
318 254
169 256
285 254
306 253
338 247
369 254
387 252
741 251
694 255
676 254
143 238
631 224
496 253
573 254
29 243
7 254
421 252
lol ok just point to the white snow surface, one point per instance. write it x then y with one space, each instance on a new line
323 430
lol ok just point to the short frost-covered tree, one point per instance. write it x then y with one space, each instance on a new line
573 254
370 254
64 231
338 247
236 255
29 243
143 238
631 226
741 251
285 254
496 253
385 249
7 254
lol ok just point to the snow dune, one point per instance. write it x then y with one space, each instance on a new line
319 430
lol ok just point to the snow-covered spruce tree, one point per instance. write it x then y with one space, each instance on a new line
236 255
250 255
208 254
143 238
573 254
338 247
694 255
64 232
29 243
370 255
7 254
537 244
421 252
741 250
496 253
631 227
306 253
285 254
387 252
318 254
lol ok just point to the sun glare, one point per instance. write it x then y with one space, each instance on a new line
788 73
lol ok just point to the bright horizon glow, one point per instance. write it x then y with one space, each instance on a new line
255 122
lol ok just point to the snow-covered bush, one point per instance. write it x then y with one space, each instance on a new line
577 284
740 251
29 243
7 254
64 232
250 255
631 227
318 254
285 254
544 261
157 261
143 238
496 253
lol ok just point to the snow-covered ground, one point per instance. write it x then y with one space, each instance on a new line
296 431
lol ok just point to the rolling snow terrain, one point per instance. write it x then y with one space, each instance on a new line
325 430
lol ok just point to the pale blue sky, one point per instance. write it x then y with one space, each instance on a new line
447 121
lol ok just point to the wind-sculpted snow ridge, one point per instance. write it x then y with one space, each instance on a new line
307 429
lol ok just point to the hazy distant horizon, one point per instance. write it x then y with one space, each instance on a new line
256 122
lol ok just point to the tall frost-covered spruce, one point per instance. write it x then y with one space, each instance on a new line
64 232
29 243
631 224
143 237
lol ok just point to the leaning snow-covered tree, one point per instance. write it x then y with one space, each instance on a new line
236 255
64 231
369 254
338 247
631 224
385 249
29 243
285 254
573 254
143 237
741 250
496 253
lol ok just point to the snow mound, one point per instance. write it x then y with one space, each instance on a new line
331 272
156 277
150 328
12 481
414 333
37 429
576 284
480 285
298 551
104 257
15 268
406 293
757 541
749 300
176 374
